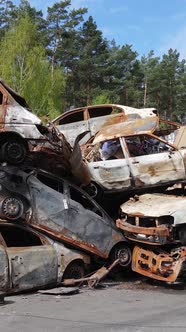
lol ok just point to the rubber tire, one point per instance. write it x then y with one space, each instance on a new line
7 153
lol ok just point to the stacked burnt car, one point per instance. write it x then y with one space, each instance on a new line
123 150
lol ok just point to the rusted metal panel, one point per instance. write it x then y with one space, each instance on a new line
152 235
154 169
128 128
160 265
111 174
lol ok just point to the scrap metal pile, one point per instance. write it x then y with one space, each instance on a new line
51 230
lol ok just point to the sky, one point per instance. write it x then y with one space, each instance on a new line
145 24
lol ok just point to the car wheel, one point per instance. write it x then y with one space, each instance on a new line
74 270
124 253
12 208
14 152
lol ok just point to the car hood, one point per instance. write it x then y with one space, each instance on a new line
127 128
157 205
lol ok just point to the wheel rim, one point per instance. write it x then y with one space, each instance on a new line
12 208
124 255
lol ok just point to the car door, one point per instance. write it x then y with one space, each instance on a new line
153 162
89 225
32 263
112 173
4 270
33 267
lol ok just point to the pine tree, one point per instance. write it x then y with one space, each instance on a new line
92 62
7 14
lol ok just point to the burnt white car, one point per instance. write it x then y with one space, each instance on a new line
131 157
18 126
30 260
92 118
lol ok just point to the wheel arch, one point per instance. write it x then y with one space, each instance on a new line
4 136
79 262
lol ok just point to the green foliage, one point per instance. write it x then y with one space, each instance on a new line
103 98
63 60
25 67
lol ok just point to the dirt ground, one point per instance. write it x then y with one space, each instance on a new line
135 305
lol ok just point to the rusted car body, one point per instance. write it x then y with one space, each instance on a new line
165 264
23 138
157 219
140 160
93 118
61 210
30 260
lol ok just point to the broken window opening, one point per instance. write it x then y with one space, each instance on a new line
74 117
50 182
166 130
110 150
18 237
103 111
84 201
145 145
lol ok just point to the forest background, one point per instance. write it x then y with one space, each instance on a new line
62 60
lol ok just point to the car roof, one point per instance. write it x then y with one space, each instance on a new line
152 111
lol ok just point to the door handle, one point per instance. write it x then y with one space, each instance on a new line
135 162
